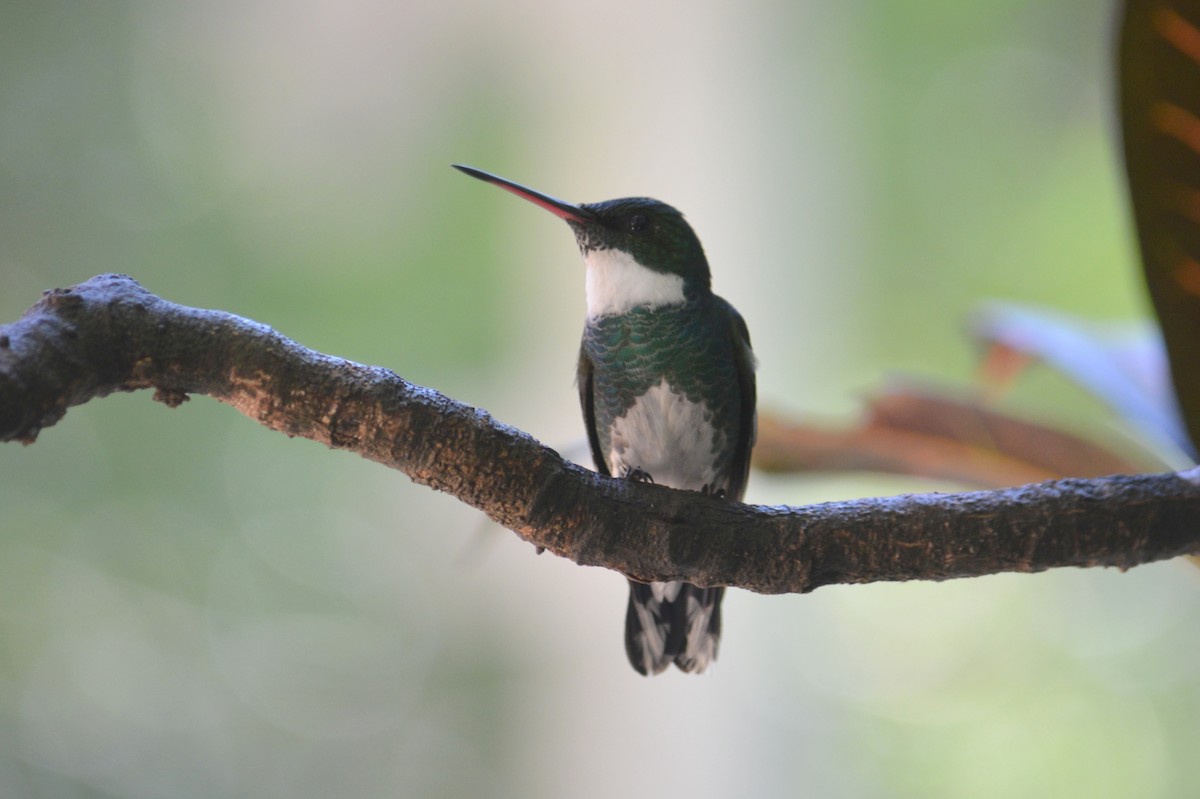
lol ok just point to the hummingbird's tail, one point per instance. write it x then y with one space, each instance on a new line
676 623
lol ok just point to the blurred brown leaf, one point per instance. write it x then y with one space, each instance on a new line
932 433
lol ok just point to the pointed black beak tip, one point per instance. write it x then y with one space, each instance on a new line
472 171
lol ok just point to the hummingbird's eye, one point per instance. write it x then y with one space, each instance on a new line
638 223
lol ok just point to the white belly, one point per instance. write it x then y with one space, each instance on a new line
669 437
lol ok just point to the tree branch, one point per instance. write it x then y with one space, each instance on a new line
110 334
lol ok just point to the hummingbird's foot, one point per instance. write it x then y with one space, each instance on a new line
709 491
636 475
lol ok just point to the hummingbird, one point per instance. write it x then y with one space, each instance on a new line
666 383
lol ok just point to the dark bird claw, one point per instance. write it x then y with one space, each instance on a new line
636 475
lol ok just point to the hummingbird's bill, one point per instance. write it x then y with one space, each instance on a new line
560 208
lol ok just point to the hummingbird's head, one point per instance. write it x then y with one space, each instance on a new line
652 233
638 251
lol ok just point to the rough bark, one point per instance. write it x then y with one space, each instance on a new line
110 334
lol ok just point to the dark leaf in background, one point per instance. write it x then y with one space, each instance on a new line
1159 65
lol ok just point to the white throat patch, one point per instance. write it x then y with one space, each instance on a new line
616 283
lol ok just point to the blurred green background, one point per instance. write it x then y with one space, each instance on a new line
192 606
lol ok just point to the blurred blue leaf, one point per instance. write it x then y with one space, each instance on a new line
1123 364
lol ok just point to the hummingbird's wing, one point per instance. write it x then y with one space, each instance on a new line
587 400
739 337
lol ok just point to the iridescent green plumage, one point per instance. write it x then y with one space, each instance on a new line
701 349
